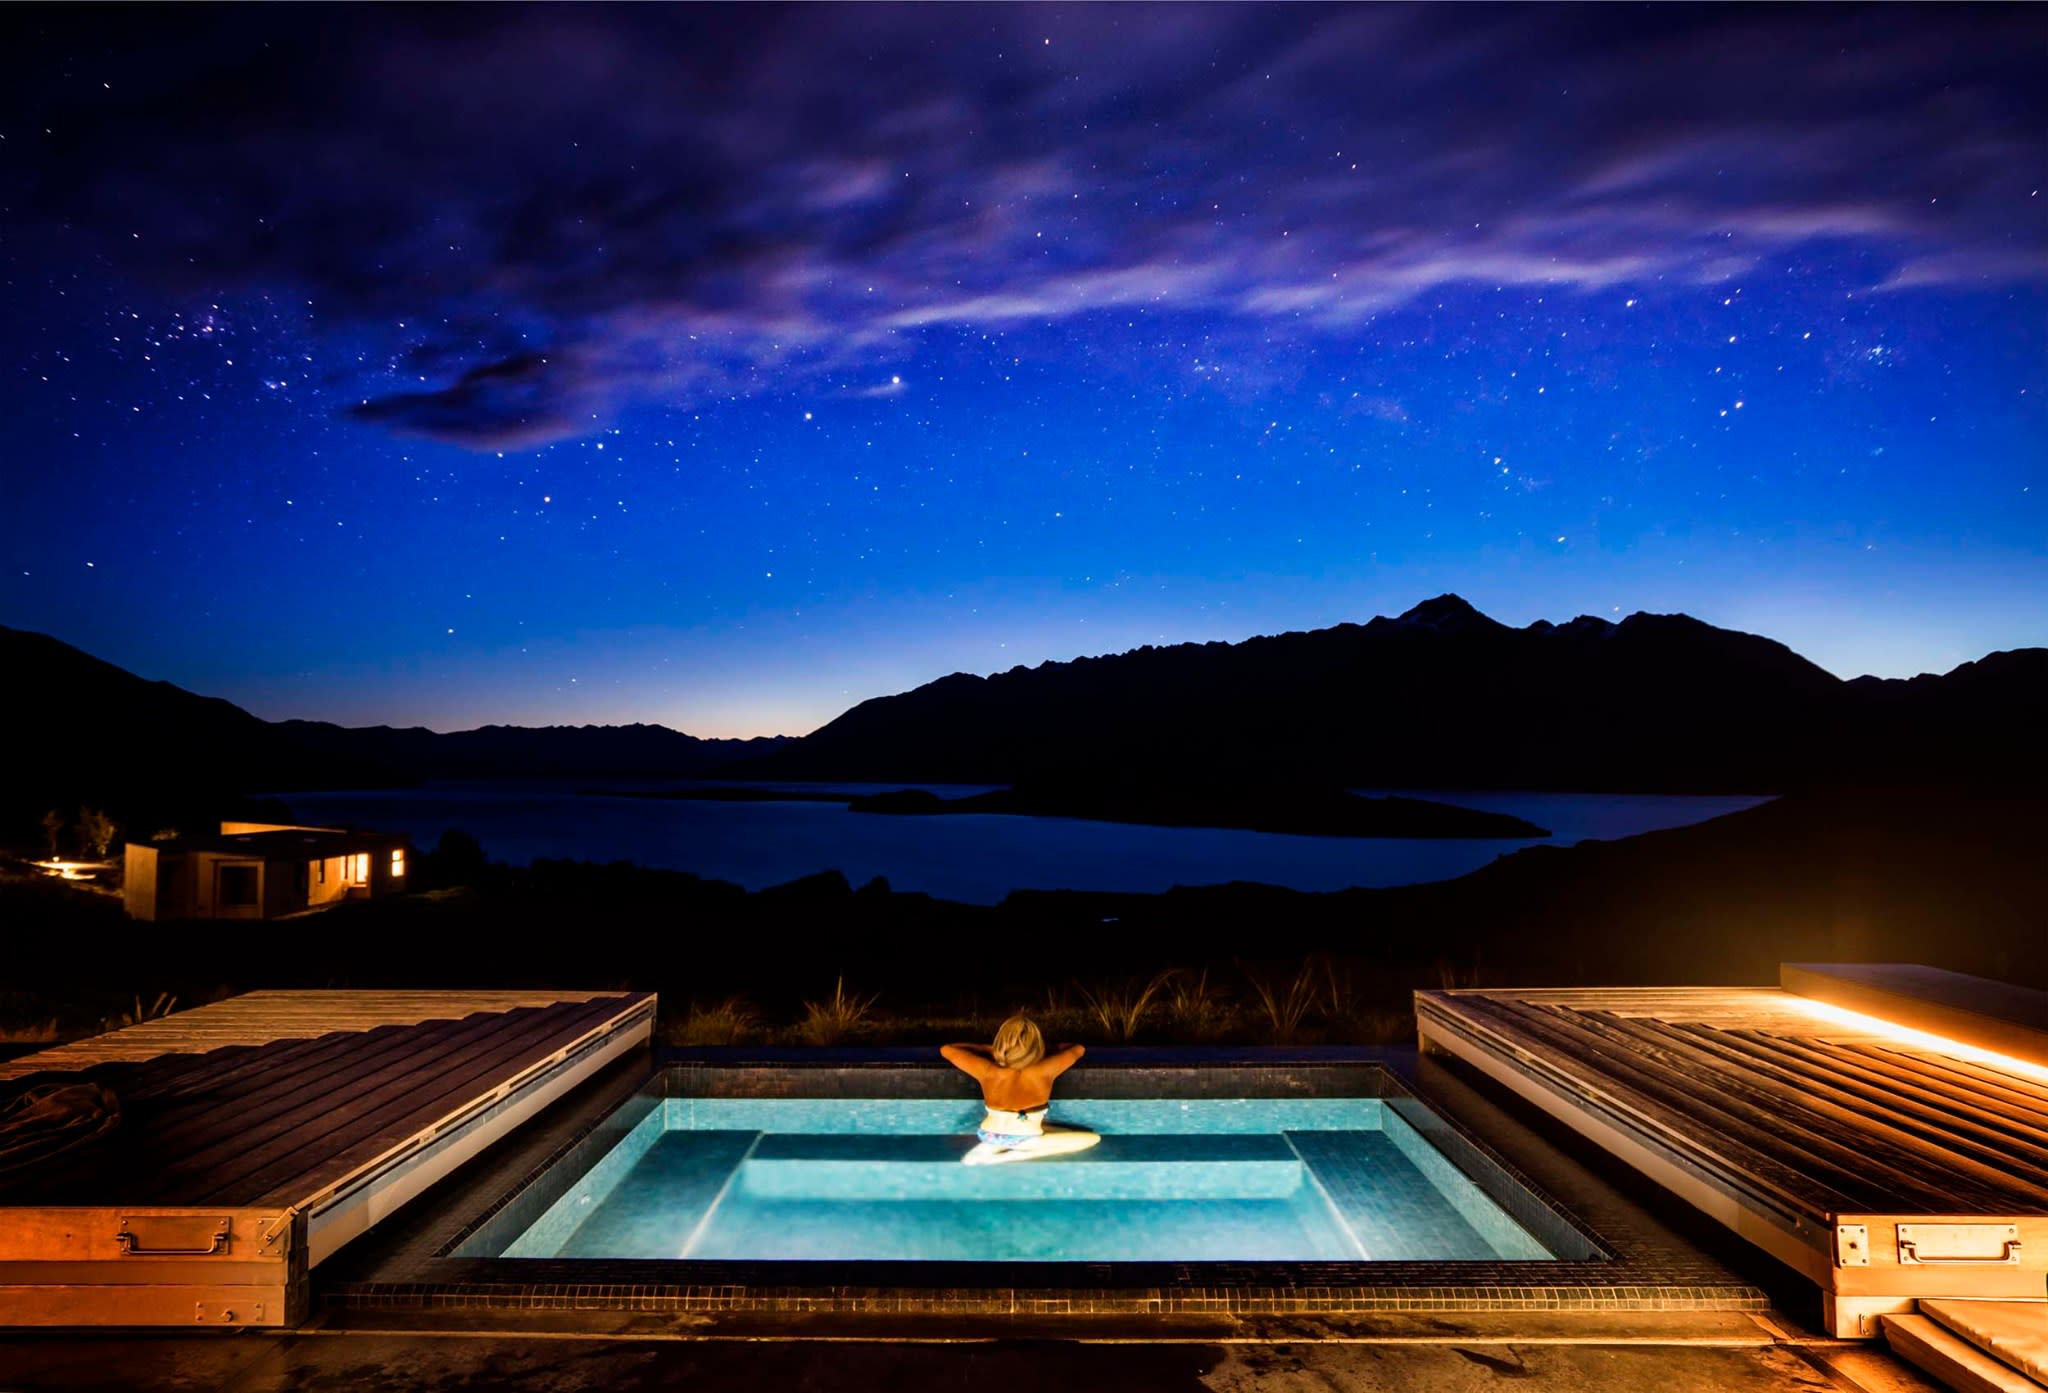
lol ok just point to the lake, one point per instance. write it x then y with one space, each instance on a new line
973 858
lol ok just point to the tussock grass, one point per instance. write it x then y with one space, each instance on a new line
1284 1005
1193 1009
1452 976
1119 1009
163 1004
728 1022
29 1033
837 1018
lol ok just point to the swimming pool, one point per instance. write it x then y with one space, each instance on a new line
869 1174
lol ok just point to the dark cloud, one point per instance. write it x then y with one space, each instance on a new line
513 404
675 200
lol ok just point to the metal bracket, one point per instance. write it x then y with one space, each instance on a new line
133 1247
1852 1245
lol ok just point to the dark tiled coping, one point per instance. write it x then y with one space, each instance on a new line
1636 1264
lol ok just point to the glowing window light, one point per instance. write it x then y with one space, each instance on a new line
397 861
359 868
1894 1033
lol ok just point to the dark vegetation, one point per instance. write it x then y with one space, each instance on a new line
1954 879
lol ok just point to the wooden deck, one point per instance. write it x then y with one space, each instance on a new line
259 1018
1885 1163
259 1135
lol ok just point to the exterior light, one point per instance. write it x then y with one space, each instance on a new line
1894 1033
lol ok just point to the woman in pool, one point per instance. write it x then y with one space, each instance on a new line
1016 1074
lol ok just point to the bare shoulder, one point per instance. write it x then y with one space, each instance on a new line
1061 1060
967 1060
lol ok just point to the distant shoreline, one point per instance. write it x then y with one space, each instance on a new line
1288 810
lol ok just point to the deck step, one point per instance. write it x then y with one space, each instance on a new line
2013 1332
1950 1359
1126 1167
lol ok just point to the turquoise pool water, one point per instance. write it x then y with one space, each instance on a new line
1174 1180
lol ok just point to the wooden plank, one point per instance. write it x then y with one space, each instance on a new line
1674 1128
1888 1276
1887 1131
1989 1136
1765 1125
1971 1086
407 1105
1689 1113
1950 1360
269 1304
205 1173
348 1124
1996 1016
1739 1199
349 1205
1986 1076
136 1165
258 1018
1759 1007
188 1144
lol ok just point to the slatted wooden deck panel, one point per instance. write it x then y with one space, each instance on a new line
1812 1132
293 1121
257 1018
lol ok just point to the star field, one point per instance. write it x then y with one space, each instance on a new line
725 367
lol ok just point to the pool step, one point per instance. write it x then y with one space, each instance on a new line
1124 1167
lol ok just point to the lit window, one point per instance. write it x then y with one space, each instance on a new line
359 868
398 861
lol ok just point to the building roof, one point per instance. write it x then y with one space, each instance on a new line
289 843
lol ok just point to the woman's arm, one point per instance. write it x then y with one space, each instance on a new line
970 1059
1059 1061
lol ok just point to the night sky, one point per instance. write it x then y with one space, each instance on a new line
724 367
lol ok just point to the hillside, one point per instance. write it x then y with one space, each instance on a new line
1445 697
92 733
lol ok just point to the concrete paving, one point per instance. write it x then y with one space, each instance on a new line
568 1362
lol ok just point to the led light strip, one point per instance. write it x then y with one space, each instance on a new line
1921 1039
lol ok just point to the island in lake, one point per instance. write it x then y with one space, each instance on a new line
1309 810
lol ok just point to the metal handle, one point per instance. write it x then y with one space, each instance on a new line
2009 1252
132 1247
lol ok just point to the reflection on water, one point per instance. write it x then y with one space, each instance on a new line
978 859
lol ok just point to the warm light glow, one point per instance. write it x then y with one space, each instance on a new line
359 868
1920 1039
69 870
397 862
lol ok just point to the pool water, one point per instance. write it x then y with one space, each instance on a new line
1173 1180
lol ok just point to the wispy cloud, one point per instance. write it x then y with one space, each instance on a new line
597 206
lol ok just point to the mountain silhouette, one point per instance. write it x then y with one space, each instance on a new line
1445 697
88 732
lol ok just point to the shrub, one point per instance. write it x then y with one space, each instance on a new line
96 832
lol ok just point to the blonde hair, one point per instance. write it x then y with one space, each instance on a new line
1018 1044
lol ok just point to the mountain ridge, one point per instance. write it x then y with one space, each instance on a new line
103 734
1651 703
1440 696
